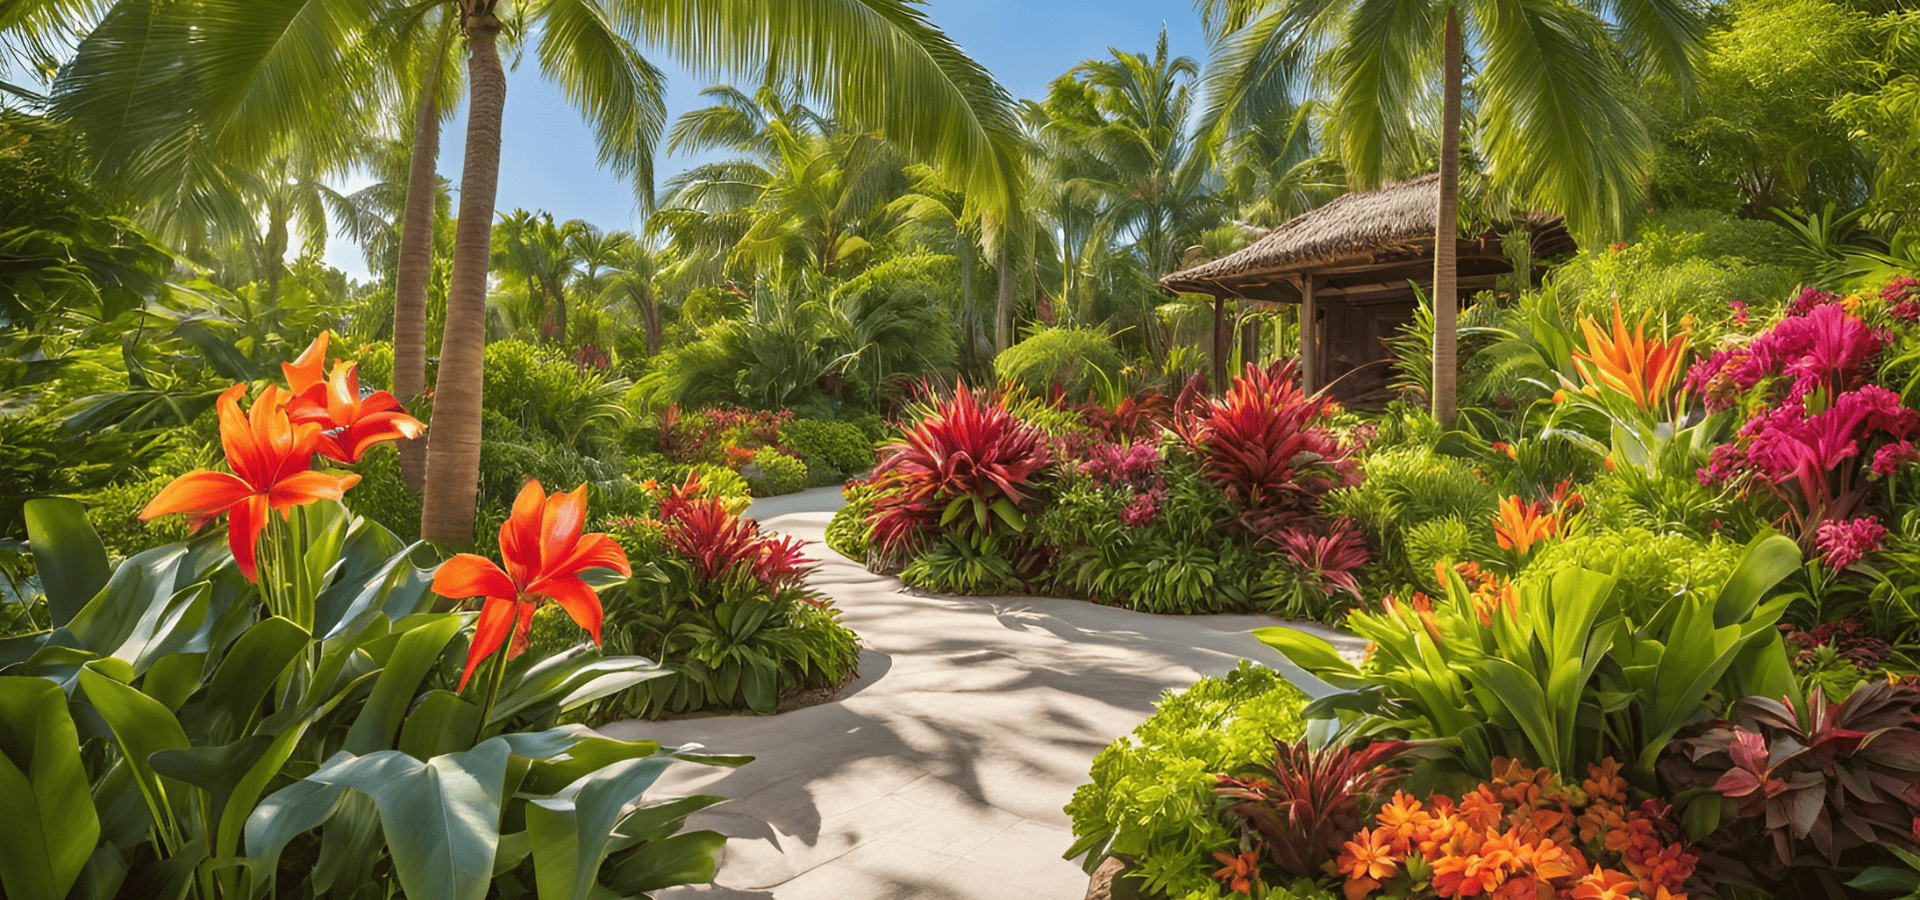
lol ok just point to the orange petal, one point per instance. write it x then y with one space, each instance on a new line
467 575
560 524
578 600
343 393
302 488
368 430
201 493
522 628
309 369
245 521
236 438
496 617
520 534
595 551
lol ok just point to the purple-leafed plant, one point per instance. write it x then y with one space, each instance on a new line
969 462
1809 791
1266 444
1307 805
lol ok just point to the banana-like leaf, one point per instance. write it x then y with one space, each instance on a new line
48 827
571 830
68 554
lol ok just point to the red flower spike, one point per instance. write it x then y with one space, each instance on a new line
271 458
545 552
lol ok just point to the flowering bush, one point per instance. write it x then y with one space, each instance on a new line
1524 833
1819 431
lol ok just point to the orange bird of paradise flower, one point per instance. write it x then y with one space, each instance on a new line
545 554
271 458
1642 368
350 424
1518 526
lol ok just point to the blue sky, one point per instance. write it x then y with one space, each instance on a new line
547 158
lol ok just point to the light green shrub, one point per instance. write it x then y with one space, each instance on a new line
850 532
772 473
1651 567
1151 796
832 450
1446 539
1076 359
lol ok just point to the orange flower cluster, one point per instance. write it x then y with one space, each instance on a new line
1522 835
1490 592
1417 609
1521 524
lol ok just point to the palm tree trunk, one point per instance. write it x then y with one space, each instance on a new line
415 268
453 456
1003 304
1446 299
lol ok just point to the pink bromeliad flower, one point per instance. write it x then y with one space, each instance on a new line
1844 543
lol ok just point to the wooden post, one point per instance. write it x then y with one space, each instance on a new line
1309 336
1219 345
1249 335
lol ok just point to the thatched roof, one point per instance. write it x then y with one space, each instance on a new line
1394 222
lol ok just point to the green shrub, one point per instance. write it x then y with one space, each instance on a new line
383 494
850 533
964 562
1078 360
832 450
1151 796
1651 567
1449 539
1407 485
1685 262
722 481
772 473
541 391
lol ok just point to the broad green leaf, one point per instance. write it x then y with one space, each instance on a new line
570 831
249 671
1311 653
141 727
1768 559
417 652
48 827
681 859
443 722
68 554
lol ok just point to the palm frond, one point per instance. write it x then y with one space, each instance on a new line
622 95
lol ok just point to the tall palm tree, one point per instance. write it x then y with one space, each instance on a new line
195 85
1551 93
529 246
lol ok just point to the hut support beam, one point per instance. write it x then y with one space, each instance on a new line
1219 345
1309 336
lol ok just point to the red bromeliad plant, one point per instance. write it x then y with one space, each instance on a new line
721 545
1265 443
1331 555
969 461
1308 803
1806 792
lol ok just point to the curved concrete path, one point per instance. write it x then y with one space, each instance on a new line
941 773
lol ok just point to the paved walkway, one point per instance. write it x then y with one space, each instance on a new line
941 773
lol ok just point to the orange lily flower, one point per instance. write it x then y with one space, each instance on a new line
350 423
1642 368
354 423
310 369
1519 525
545 554
272 460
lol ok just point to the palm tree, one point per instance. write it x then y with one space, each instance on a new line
631 270
1551 87
529 246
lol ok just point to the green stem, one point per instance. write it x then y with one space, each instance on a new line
498 675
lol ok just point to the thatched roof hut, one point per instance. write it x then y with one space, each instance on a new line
1352 266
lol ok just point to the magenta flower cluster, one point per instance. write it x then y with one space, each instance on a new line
1135 465
1816 413
1823 347
1143 508
1843 543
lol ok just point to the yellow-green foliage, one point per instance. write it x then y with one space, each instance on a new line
1076 359
1152 795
